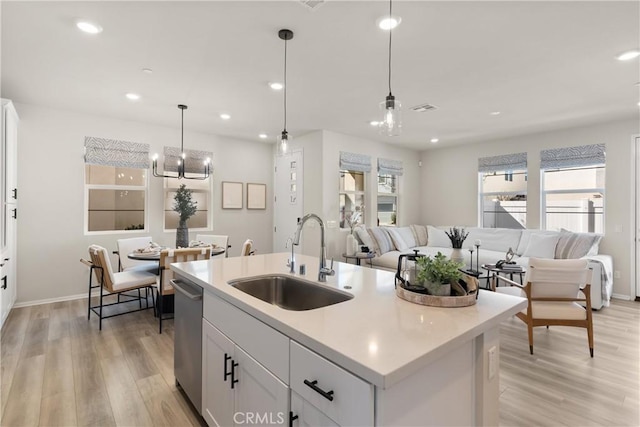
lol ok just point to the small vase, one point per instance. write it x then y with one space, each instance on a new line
182 235
352 243
456 255
439 289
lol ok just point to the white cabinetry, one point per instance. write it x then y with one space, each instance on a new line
9 210
307 415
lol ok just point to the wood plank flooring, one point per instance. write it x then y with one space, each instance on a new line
57 369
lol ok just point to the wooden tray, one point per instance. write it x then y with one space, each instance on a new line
435 301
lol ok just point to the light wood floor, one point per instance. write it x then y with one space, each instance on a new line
57 369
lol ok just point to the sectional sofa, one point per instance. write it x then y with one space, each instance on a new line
390 242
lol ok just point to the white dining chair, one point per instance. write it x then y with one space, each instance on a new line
127 246
247 248
217 240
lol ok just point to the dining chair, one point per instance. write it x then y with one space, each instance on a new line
247 248
218 240
554 290
168 257
126 246
118 284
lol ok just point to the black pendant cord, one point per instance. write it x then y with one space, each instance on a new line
285 85
390 32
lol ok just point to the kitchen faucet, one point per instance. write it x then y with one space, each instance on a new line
291 263
323 271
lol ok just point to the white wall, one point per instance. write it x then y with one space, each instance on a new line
449 176
51 172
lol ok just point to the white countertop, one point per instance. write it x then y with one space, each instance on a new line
375 335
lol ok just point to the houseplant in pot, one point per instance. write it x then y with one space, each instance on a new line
436 274
457 237
186 208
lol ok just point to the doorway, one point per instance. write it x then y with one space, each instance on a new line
288 201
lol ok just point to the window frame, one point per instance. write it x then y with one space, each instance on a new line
209 190
343 225
395 195
89 187
482 195
585 190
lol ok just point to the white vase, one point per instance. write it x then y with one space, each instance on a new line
457 255
352 245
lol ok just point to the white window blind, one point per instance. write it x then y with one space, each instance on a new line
355 162
111 152
502 163
390 167
572 157
194 162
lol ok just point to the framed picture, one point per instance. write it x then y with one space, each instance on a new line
231 195
256 196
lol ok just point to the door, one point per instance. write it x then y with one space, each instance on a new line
217 394
261 398
637 261
288 198
307 414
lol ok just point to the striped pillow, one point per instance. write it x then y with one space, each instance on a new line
381 240
577 245
420 234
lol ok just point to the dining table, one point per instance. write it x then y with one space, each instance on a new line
155 256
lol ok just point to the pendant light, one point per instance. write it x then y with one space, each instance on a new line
181 161
283 141
391 122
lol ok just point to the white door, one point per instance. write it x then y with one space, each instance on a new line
307 415
288 198
261 398
217 394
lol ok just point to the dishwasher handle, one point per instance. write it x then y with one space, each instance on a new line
180 287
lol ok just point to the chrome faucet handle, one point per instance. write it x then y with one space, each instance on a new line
328 271
291 263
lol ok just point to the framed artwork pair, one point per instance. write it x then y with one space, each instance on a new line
233 195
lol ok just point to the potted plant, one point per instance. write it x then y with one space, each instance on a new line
457 237
436 274
186 208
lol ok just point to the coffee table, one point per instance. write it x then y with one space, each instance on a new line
358 256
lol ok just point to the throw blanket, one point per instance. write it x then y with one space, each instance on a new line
606 276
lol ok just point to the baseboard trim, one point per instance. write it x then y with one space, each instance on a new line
95 293
621 296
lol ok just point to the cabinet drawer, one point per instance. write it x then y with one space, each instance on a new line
262 342
351 400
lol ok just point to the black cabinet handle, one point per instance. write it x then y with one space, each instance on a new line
15 213
4 261
234 365
326 394
4 282
15 194
292 418
226 373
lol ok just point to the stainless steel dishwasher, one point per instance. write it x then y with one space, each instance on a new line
187 353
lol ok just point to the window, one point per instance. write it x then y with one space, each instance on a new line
388 173
573 188
503 191
201 194
115 185
351 198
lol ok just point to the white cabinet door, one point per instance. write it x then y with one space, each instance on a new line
307 415
217 394
260 397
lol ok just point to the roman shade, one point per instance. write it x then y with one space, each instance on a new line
355 162
390 167
194 161
111 152
571 157
502 163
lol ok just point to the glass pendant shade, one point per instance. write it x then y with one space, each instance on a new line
391 120
283 142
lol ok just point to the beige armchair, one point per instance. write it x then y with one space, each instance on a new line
554 289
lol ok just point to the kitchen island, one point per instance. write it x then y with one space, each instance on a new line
398 363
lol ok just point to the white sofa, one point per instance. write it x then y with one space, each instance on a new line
390 242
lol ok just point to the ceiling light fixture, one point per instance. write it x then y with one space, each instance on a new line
374 123
285 35
276 86
495 113
628 55
88 27
147 70
263 136
434 140
183 158
225 116
389 22
132 96
391 117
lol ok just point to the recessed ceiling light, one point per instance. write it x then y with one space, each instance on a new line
132 96
147 70
89 27
495 113
262 136
638 104
434 140
389 23
628 55
276 86
374 123
225 116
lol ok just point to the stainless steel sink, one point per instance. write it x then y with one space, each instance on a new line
289 292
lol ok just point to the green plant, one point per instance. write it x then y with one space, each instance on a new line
457 236
184 204
438 269
135 227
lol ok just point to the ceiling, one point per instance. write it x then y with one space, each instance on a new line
543 64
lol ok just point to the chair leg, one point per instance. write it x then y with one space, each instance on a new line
89 296
100 315
139 299
530 330
590 336
160 311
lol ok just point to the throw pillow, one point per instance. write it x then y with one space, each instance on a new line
381 241
437 238
363 236
541 246
577 245
420 235
397 239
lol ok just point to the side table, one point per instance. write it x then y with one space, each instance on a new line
358 256
493 271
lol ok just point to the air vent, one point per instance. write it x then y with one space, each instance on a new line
312 4
424 107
